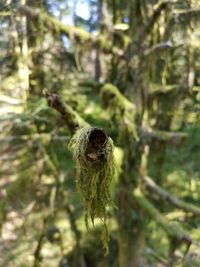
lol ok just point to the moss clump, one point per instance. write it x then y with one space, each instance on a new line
93 154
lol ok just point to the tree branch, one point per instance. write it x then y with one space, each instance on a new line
151 252
37 252
79 34
175 138
117 102
160 47
174 230
186 13
163 194
72 119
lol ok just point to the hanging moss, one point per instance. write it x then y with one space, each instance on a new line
93 154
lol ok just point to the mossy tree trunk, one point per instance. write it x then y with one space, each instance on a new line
23 63
98 51
130 216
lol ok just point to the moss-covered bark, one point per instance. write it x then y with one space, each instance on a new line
129 217
72 119
77 34
165 103
166 196
174 230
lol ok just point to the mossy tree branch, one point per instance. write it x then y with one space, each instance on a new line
74 122
186 15
118 103
72 119
154 254
175 138
164 195
173 230
80 35
167 90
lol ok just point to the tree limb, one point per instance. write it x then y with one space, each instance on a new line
151 252
163 194
171 137
174 230
185 13
37 252
79 34
160 47
117 102
72 119
9 100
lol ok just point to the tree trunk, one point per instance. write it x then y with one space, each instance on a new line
98 54
23 64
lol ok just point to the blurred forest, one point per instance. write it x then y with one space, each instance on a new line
131 68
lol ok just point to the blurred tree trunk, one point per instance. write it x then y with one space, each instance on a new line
20 52
130 216
23 63
130 219
97 52
35 36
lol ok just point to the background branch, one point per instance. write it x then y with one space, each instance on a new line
163 194
72 119
174 230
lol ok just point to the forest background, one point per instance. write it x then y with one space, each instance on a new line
131 68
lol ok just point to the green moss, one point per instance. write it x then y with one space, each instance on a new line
71 31
120 106
94 176
112 96
173 229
